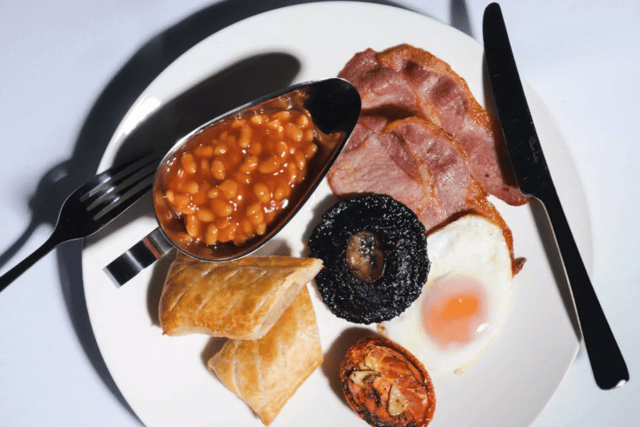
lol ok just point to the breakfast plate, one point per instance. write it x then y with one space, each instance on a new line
165 379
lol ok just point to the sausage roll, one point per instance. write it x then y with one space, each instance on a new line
240 299
266 372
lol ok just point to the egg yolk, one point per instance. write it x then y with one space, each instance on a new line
454 312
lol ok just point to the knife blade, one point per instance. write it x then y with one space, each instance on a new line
534 178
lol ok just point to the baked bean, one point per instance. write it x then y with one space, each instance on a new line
250 163
218 169
247 227
188 209
205 215
188 163
183 204
254 209
261 229
229 188
242 178
228 233
293 172
205 168
200 197
245 137
282 115
220 149
257 219
192 225
170 197
258 119
281 192
273 124
308 136
255 214
269 166
303 121
231 180
213 193
211 236
221 207
282 149
222 222
300 159
191 187
293 132
262 193
183 238
310 151
204 151
240 239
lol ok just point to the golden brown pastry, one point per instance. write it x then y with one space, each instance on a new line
266 372
239 299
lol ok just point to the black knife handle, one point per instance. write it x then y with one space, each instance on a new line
607 363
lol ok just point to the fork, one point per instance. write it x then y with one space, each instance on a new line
92 206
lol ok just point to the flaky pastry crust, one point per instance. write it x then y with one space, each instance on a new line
266 372
239 299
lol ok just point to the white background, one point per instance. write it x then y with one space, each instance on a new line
70 69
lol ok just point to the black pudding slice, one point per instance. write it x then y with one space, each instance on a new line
374 250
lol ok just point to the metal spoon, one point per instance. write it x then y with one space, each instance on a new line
334 105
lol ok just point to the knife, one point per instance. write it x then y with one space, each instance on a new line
533 176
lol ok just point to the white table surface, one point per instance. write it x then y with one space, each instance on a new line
70 69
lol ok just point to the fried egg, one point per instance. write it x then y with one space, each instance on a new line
465 301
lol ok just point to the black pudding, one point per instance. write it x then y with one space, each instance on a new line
374 250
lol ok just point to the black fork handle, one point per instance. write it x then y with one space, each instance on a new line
23 265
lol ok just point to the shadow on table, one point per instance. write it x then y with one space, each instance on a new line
217 94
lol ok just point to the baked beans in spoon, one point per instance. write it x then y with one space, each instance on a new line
229 186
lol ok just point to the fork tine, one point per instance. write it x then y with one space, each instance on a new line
102 183
109 215
99 179
117 181
120 198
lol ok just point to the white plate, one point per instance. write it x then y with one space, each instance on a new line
165 380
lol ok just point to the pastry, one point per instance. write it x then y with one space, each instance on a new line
239 299
266 372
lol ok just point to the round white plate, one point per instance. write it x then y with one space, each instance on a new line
165 379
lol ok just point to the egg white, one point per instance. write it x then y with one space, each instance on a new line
471 247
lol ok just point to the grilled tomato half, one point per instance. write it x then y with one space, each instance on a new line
386 385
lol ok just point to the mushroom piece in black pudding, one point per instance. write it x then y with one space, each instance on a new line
374 250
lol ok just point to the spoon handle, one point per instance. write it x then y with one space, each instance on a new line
138 257
607 362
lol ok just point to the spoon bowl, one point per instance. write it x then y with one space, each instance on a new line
334 107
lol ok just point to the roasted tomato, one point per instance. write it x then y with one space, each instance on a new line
386 385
